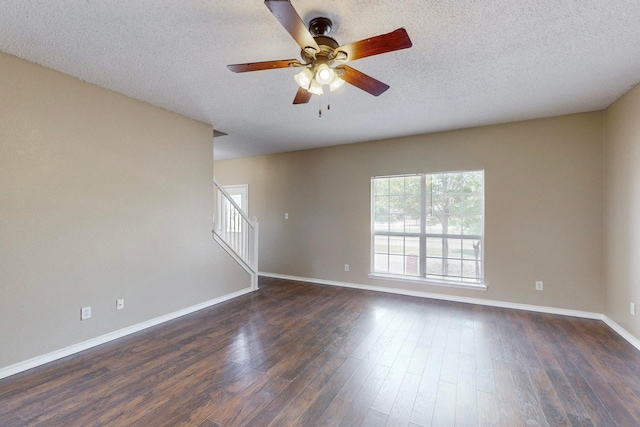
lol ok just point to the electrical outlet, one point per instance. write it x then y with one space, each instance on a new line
632 309
85 313
120 304
539 286
346 267
286 215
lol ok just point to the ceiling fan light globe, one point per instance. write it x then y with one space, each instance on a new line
324 75
303 78
315 88
336 82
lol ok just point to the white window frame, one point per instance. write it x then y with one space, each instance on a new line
423 235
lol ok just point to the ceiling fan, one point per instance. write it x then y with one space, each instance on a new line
320 52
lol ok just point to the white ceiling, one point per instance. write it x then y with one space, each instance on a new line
472 63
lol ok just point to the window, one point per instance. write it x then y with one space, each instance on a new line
429 226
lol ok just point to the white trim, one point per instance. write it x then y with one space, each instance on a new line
76 348
466 300
233 254
240 261
443 283
243 191
621 331
423 235
491 303
85 345
231 201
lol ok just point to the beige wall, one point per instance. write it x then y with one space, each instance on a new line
101 197
622 211
543 206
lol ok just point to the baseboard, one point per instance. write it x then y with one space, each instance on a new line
492 303
85 345
454 298
76 348
622 332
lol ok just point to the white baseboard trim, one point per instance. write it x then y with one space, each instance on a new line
85 345
621 331
466 300
492 303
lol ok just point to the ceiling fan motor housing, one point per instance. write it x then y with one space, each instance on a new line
327 47
319 28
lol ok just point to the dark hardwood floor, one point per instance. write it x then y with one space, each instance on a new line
295 354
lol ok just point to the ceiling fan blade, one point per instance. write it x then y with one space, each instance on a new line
302 97
362 81
285 13
266 65
395 40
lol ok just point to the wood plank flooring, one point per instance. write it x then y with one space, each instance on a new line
296 354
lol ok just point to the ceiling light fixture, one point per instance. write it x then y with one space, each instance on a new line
303 78
319 52
324 74
313 80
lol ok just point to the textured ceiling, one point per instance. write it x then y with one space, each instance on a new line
472 63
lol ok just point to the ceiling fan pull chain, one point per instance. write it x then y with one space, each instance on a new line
329 101
320 105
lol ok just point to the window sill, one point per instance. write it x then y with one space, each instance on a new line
460 285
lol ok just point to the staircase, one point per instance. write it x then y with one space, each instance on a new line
236 232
